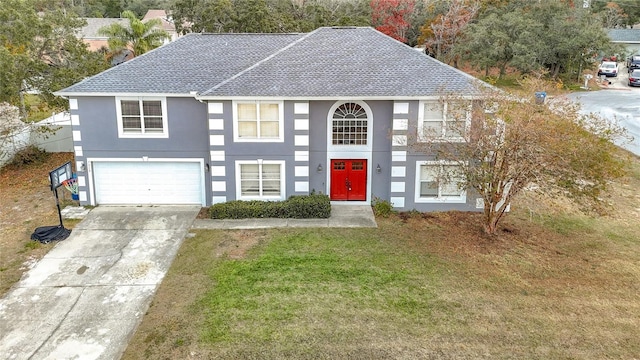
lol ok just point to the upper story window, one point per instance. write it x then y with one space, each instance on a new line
439 120
258 121
438 181
142 117
350 125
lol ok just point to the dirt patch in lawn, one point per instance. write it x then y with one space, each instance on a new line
27 203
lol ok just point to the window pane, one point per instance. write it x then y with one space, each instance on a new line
428 189
250 188
433 110
429 180
269 112
131 124
130 107
152 124
247 112
432 128
450 189
454 178
271 188
455 129
249 171
247 129
349 132
249 180
269 129
152 108
428 172
271 179
271 171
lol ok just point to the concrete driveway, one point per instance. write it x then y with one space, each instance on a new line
86 297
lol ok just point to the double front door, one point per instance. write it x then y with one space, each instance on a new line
349 179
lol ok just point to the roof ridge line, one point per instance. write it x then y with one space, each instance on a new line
279 51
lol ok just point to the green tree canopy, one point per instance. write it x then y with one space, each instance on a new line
543 35
39 52
267 15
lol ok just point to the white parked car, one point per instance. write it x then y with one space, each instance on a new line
608 68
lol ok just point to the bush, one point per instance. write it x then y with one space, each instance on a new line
382 207
29 155
296 207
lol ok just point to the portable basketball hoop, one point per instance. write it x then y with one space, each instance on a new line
47 234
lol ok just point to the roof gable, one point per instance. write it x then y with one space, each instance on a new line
328 62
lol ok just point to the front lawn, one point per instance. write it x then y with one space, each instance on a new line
554 284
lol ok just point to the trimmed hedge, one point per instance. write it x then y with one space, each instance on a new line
296 207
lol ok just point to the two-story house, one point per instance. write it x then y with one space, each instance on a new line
211 118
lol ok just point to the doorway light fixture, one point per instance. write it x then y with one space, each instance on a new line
319 169
378 169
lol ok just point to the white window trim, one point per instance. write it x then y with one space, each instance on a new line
165 128
237 138
443 138
260 162
441 199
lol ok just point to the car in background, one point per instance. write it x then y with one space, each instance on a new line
633 62
634 77
608 68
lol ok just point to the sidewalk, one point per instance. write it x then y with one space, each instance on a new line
342 216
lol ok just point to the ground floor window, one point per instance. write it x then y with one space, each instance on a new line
260 180
439 182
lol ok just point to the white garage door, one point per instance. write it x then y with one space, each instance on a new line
147 182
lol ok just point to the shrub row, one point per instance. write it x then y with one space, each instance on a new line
297 207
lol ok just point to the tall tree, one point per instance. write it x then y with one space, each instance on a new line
203 16
532 36
629 8
500 39
613 16
391 17
253 16
268 15
513 142
138 37
447 29
39 52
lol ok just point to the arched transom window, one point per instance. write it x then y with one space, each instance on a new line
349 125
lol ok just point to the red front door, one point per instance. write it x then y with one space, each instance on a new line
349 180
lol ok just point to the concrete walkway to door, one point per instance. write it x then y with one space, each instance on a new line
86 297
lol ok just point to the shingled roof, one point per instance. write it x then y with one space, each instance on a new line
624 35
325 63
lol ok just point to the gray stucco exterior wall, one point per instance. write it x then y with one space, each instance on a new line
95 123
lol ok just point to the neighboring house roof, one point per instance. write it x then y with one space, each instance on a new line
325 63
90 31
630 36
167 25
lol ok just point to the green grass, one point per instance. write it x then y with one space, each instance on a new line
310 277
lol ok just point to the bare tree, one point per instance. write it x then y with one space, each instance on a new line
508 141
445 31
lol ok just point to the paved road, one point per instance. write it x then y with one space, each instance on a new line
86 297
619 102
